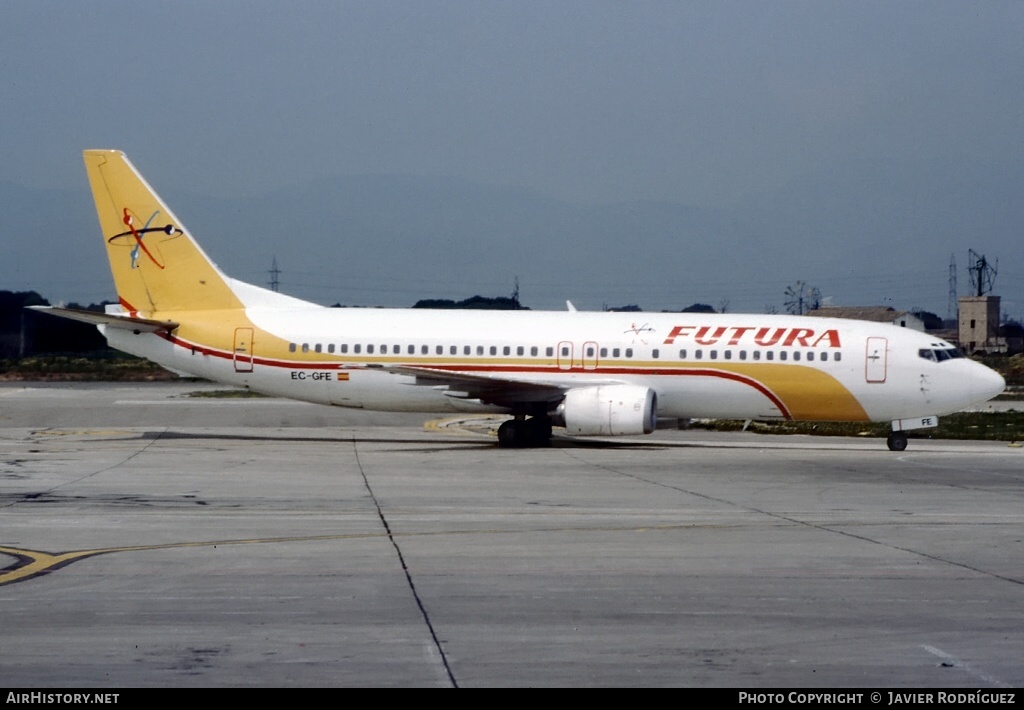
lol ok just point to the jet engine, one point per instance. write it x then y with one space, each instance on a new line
608 410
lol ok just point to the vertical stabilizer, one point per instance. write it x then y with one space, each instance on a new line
156 264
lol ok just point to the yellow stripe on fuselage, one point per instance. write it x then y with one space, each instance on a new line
805 392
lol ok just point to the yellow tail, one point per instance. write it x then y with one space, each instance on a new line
157 266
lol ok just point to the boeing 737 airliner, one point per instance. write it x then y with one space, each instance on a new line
596 374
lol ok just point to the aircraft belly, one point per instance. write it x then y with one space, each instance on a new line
147 346
385 391
891 402
157 349
712 398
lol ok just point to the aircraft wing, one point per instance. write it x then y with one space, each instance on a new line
488 388
136 325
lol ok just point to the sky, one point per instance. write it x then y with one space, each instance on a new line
856 146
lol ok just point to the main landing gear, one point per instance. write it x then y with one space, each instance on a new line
523 433
897 441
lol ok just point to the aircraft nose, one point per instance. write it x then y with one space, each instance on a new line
988 383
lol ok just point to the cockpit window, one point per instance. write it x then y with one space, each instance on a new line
939 354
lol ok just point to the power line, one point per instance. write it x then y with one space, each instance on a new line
983 274
952 305
274 273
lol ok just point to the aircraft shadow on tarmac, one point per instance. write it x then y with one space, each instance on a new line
451 443
434 443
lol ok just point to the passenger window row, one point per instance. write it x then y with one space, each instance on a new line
372 349
588 351
767 355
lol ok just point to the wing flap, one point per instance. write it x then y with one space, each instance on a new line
490 388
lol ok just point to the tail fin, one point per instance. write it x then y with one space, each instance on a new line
157 266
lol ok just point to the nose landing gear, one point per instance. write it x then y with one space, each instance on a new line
897 441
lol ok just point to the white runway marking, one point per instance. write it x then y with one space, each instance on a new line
957 663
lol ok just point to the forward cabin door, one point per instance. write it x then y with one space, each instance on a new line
243 349
875 361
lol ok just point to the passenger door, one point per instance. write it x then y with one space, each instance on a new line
875 360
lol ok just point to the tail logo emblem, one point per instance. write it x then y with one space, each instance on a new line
134 236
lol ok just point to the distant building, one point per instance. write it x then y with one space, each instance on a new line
875 314
932 322
1013 334
979 325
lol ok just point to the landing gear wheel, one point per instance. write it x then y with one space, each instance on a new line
511 434
897 441
525 433
538 431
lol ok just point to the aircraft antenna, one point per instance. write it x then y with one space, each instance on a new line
274 273
515 294
983 274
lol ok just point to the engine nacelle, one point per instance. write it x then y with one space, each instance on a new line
609 410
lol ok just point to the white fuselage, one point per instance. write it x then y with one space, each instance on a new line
700 365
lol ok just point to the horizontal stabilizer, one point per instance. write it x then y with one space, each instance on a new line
136 325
